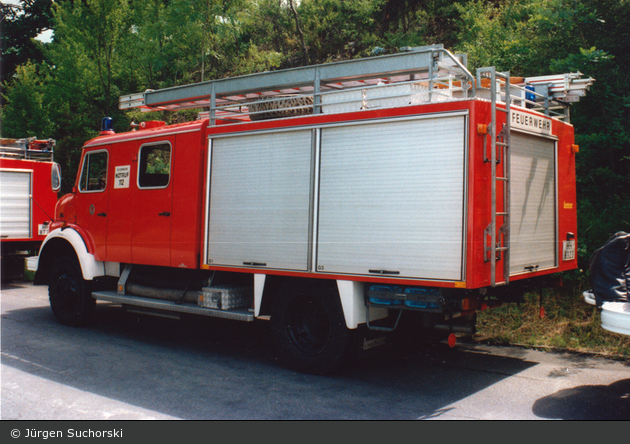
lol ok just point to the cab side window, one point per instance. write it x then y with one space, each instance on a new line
155 166
94 172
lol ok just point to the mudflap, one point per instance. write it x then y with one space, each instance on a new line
366 342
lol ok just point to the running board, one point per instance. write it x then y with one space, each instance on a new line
112 296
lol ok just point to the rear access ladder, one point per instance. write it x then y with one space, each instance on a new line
497 241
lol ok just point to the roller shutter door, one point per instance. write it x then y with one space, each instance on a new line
15 205
532 203
260 200
392 199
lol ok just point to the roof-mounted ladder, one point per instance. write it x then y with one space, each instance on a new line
425 71
497 241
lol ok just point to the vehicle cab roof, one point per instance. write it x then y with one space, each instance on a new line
149 133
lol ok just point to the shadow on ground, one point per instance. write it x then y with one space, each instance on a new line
207 368
587 402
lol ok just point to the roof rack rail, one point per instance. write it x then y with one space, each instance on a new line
550 95
415 75
29 148
382 81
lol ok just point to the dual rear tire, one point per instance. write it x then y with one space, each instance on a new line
309 328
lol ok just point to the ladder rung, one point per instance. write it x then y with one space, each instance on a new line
502 214
502 144
505 179
501 249
503 110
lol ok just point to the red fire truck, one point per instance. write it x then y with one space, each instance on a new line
332 200
29 182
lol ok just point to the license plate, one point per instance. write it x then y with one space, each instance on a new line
568 250
42 229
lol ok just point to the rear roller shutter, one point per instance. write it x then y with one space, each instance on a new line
533 203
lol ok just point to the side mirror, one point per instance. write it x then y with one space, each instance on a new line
55 177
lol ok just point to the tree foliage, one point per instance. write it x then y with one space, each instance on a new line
25 111
542 37
20 24
105 48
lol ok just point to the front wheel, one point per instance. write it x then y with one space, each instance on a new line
309 328
70 298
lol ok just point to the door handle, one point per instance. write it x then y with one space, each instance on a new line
166 213
384 271
102 214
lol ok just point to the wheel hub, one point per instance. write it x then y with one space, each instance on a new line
308 325
65 291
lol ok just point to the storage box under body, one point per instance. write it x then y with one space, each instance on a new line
225 297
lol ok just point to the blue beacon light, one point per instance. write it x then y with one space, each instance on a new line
107 126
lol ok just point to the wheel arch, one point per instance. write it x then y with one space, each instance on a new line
66 242
350 294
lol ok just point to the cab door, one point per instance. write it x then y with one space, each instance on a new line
92 200
152 205
123 171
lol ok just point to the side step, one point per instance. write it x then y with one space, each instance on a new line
242 314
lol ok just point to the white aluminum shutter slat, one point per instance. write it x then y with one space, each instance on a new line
392 198
532 202
15 205
260 200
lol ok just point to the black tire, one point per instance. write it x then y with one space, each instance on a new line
309 328
69 294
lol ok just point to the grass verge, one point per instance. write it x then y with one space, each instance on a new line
568 324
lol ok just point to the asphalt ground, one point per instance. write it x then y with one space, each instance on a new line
127 366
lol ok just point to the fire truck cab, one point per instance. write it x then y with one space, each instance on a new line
333 200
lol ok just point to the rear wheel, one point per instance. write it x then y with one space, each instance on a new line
309 328
70 298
